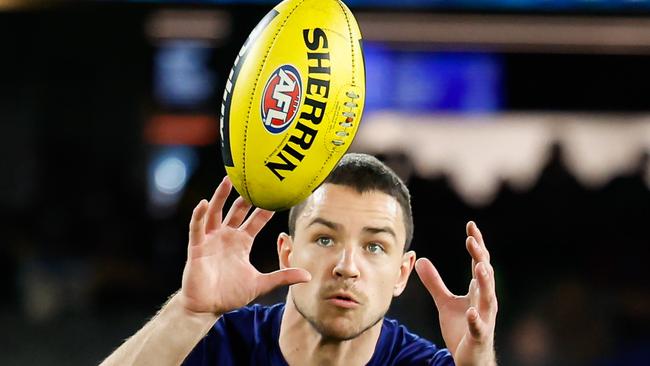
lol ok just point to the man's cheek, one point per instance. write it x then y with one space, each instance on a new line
307 290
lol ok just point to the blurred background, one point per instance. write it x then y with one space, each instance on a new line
531 117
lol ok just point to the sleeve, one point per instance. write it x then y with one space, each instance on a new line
214 349
398 346
442 358
425 354
230 341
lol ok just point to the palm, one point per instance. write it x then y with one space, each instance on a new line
453 324
466 322
218 275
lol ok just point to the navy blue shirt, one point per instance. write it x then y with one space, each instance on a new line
250 336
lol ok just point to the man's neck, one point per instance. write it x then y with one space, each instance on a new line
301 344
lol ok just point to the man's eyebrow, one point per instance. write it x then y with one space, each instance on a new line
382 229
324 222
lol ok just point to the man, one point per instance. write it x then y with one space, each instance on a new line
346 256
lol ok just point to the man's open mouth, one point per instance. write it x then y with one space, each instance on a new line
343 300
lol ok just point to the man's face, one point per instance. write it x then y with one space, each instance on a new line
352 244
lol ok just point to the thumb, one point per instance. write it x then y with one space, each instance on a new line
282 277
432 281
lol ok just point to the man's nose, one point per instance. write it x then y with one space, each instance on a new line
346 267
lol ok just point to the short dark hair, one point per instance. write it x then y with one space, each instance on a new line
366 173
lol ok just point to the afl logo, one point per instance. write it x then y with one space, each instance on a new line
280 99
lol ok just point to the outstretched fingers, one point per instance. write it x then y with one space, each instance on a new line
237 213
256 221
487 301
476 252
476 246
478 329
216 204
197 223
481 316
473 231
433 282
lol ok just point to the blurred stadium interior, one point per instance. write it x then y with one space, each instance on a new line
530 117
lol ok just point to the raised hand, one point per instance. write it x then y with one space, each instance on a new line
218 276
466 322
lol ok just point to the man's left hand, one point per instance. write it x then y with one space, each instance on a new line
466 322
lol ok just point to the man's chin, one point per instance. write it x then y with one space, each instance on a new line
335 325
339 329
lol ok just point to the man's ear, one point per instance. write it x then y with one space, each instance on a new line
285 247
405 268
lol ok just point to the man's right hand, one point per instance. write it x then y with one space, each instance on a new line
218 276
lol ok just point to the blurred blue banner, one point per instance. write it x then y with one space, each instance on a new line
426 81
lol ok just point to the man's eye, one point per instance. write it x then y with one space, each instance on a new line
374 248
324 241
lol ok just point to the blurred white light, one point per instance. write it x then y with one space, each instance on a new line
480 153
170 175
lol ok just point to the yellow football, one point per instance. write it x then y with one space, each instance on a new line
293 101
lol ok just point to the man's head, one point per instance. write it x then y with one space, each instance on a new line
351 235
365 173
